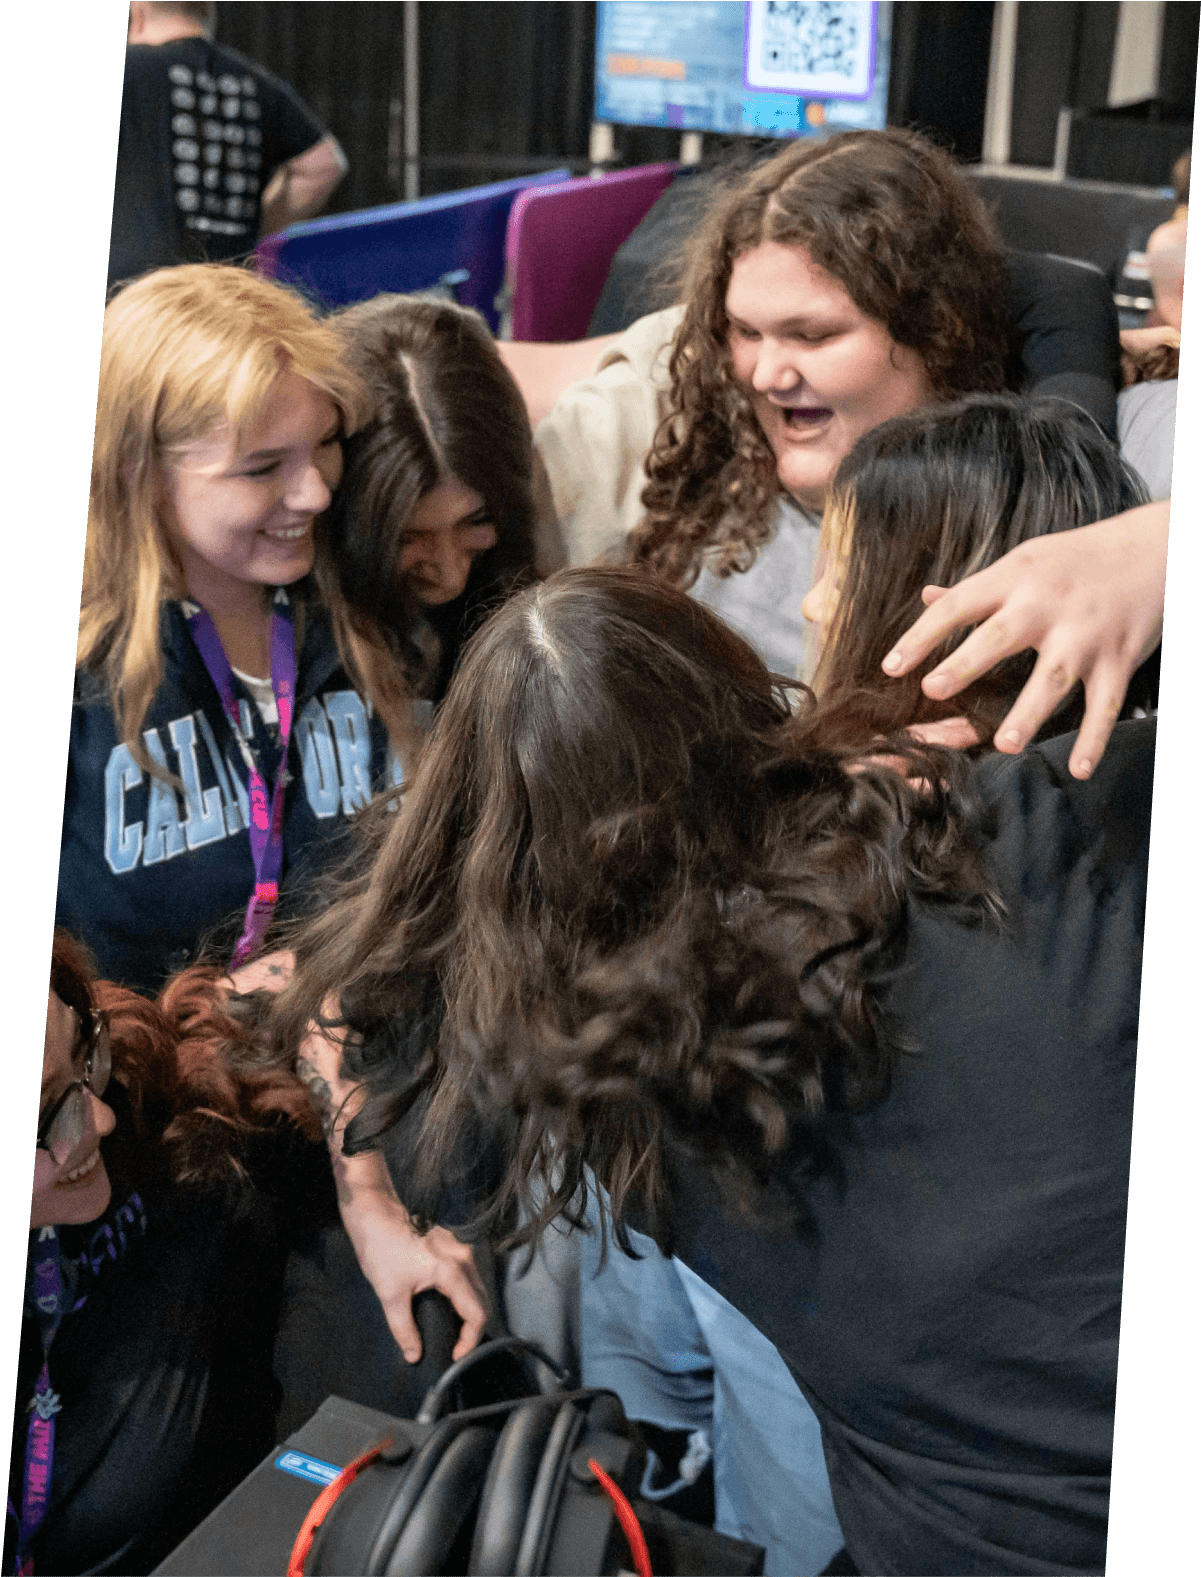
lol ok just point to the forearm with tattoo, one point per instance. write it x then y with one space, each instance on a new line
323 1098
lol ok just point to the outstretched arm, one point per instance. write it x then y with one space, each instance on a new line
1089 601
543 371
396 1259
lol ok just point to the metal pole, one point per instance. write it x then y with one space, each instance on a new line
1063 141
412 104
600 146
998 101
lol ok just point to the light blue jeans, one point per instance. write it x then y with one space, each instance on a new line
681 1357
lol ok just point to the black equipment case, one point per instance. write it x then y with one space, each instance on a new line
501 1489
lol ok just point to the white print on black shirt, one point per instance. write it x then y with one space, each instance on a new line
217 150
332 736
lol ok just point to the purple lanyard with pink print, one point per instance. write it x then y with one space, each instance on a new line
48 1296
266 813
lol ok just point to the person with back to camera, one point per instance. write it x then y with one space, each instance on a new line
144 1387
742 979
433 521
1090 601
941 492
212 148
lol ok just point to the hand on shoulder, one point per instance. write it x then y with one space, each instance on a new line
1089 601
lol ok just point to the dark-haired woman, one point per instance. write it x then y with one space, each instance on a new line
434 520
933 496
860 1053
144 1387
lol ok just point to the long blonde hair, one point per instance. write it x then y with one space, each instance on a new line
185 350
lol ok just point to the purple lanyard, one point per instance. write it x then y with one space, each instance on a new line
48 1303
266 824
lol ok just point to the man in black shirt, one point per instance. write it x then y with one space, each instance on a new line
213 150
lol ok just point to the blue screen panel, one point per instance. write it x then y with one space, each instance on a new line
780 68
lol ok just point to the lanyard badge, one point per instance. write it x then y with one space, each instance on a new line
49 1297
266 809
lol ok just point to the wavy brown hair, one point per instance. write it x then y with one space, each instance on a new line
190 1063
618 904
929 499
890 217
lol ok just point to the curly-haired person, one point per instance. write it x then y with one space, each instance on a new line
835 285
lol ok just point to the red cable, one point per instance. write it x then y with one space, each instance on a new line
319 1510
626 1517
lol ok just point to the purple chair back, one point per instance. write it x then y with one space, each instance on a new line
404 246
560 242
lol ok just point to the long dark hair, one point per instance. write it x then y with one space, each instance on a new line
889 216
930 498
617 904
444 405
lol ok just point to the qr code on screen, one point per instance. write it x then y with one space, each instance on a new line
813 38
811 46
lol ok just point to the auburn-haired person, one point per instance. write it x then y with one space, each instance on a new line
888 218
144 1387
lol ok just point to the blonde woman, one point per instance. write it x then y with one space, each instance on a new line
221 736
219 739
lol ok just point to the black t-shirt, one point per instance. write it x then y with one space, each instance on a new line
203 129
950 1301
164 1375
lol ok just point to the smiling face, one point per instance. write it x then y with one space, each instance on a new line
241 511
77 1190
447 532
819 372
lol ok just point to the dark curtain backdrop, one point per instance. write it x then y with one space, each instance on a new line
503 88
507 88
1064 56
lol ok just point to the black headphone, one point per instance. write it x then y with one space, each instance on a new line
509 1489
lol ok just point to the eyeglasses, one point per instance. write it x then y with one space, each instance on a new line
62 1125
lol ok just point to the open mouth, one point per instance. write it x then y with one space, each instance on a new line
81 1173
801 417
292 534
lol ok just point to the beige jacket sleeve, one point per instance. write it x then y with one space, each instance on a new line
593 445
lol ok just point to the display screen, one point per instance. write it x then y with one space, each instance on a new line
780 68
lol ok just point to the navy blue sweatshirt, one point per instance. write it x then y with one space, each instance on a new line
148 872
